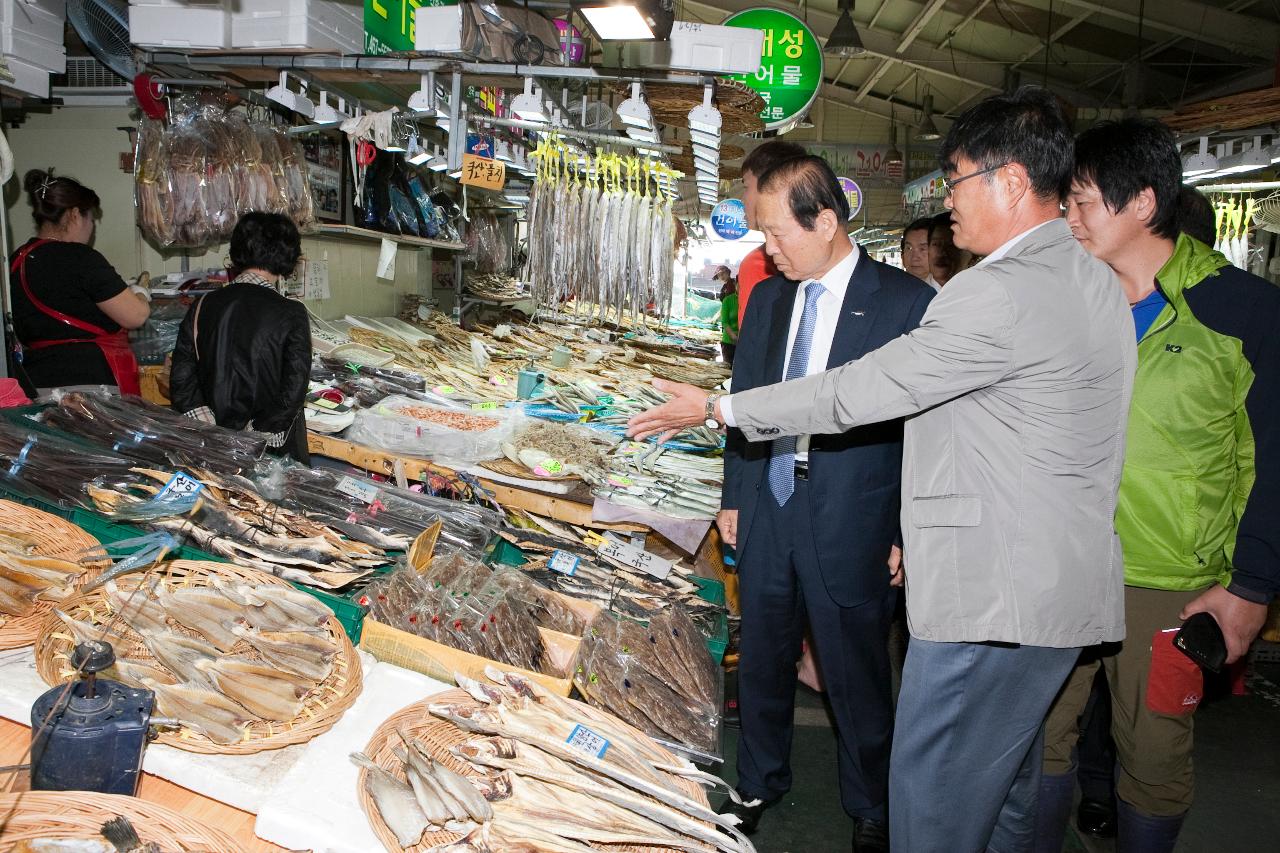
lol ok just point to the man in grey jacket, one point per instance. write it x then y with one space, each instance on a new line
1019 378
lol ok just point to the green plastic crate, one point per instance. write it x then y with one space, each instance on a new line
503 553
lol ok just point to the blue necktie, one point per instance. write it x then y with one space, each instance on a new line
782 464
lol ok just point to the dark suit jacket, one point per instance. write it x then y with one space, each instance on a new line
854 477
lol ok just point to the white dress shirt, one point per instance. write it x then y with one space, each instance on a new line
934 283
1009 244
835 283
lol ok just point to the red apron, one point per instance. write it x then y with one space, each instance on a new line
114 345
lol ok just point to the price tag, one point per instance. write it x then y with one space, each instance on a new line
324 403
484 407
499 381
586 741
606 400
549 468
180 485
563 562
636 558
445 390
361 490
631 448
620 480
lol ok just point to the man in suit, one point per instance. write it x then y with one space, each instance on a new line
814 518
1019 378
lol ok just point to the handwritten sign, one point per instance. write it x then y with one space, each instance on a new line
636 558
483 172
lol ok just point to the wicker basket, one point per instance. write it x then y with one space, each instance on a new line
321 710
55 537
440 736
36 815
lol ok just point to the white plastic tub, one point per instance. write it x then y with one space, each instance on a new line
319 25
204 27
32 31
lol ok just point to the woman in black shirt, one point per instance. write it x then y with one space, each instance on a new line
243 356
70 308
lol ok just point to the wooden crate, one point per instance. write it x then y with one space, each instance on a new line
441 662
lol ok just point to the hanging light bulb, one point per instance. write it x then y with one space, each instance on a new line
927 131
893 157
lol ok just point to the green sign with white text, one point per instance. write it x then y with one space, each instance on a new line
790 72
388 24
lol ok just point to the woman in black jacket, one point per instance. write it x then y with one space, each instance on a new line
243 356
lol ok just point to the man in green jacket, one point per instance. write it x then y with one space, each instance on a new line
1201 481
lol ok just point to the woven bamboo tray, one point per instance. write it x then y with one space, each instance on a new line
321 709
511 469
55 537
440 736
36 815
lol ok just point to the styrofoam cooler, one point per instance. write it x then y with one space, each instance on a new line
28 78
323 25
31 31
196 25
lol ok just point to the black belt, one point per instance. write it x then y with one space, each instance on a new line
802 470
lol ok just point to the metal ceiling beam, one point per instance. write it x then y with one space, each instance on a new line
1191 19
917 26
1053 37
964 22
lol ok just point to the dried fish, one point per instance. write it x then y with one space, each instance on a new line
207 711
265 691
395 802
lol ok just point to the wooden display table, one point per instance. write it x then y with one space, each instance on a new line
15 738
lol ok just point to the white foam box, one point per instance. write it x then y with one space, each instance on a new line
438 29
319 25
27 78
32 31
710 47
203 27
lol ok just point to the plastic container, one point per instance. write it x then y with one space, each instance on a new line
33 32
319 25
204 27
390 426
28 77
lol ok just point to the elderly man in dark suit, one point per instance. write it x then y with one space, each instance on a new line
814 518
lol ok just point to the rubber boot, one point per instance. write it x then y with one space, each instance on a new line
1140 833
1053 810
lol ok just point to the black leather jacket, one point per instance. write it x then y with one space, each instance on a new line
244 351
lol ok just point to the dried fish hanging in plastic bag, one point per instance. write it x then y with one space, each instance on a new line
152 195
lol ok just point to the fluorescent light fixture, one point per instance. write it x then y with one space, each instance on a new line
416 154
710 140
634 112
844 40
528 106
618 21
705 118
438 162
643 135
1201 163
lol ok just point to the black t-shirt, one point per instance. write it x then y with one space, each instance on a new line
72 278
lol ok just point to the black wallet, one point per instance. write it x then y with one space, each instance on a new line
1201 639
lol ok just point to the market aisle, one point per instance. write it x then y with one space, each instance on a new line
1237 780
14 739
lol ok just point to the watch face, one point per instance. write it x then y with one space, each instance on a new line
712 423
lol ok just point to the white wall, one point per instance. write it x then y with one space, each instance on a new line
84 143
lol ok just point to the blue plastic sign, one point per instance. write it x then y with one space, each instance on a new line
853 193
729 219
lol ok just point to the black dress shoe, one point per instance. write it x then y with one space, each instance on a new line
1097 818
870 836
749 811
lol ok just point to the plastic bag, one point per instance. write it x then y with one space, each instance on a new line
403 425
152 195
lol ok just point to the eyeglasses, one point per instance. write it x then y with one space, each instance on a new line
949 185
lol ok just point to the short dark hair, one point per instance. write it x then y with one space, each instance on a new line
764 157
266 241
921 224
1122 158
1195 215
51 197
939 222
811 188
1027 127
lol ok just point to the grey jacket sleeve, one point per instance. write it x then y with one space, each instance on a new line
964 343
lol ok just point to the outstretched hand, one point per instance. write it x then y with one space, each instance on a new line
686 408
1240 620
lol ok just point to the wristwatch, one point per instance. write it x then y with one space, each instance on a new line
712 422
